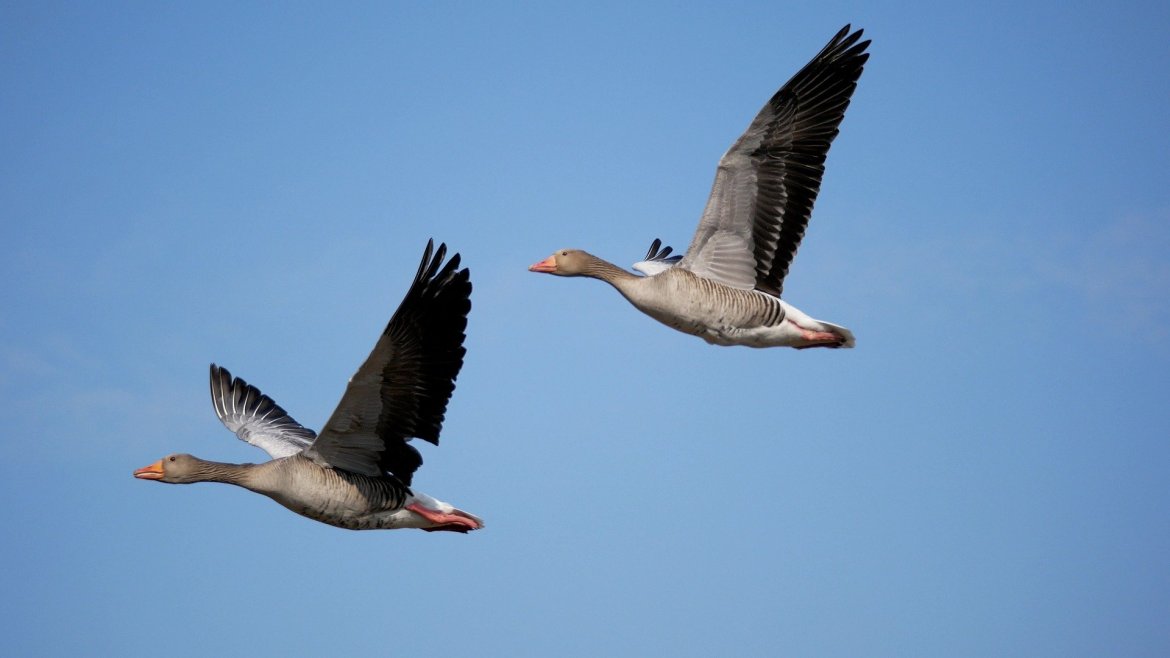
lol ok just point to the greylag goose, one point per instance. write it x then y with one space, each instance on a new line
727 287
357 472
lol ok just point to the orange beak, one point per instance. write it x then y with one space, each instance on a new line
548 265
152 472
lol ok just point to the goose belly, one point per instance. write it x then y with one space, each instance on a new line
785 334
346 501
355 520
718 314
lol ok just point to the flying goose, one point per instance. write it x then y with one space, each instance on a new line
357 472
727 287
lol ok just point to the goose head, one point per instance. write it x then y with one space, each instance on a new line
175 469
566 262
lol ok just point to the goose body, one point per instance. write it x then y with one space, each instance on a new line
727 287
357 473
719 314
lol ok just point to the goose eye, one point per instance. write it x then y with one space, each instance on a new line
172 459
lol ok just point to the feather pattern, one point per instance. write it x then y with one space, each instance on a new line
255 417
767 182
402 389
727 287
357 473
657 261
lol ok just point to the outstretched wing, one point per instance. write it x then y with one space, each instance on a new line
402 389
767 182
657 261
255 417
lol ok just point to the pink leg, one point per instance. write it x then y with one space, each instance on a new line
820 339
456 521
817 338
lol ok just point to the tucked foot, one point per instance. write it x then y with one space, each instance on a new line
820 339
456 521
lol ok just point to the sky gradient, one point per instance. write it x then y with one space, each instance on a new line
985 474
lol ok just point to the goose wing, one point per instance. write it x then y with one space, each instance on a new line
255 417
402 389
657 261
767 182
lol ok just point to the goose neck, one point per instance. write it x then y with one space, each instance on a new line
241 475
608 272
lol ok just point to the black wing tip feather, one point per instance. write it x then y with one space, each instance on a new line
431 268
434 279
654 254
839 64
222 384
448 293
434 313
222 379
249 407
653 251
844 48
225 386
823 88
845 37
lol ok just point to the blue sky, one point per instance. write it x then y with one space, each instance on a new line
986 474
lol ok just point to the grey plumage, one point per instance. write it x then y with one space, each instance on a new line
726 289
767 182
255 417
357 473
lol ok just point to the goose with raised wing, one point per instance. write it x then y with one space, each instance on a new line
727 287
357 472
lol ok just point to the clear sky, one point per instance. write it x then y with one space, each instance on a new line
986 474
